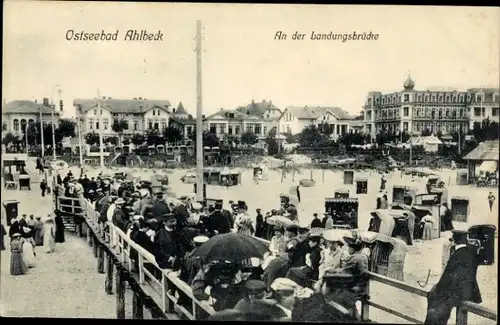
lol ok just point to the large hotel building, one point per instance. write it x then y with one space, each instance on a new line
442 112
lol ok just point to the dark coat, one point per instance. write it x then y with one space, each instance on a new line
219 221
259 225
159 208
316 223
458 282
317 309
14 228
142 240
119 219
165 246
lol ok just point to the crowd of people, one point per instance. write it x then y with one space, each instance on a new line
26 233
311 272
309 256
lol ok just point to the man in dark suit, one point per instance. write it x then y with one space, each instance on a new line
457 284
218 222
165 244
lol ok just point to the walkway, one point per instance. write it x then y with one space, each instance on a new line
63 284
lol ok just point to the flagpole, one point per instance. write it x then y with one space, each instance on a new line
101 144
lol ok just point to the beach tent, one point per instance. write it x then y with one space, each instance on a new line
430 143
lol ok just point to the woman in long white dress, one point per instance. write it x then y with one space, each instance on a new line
49 235
28 248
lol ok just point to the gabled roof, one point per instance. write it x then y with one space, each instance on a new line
256 109
222 113
180 110
487 150
26 107
311 113
122 106
183 121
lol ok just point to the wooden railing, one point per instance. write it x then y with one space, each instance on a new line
158 286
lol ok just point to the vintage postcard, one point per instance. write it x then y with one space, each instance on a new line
303 163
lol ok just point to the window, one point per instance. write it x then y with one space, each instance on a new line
150 124
223 128
31 122
16 125
154 112
4 126
405 126
23 125
237 130
265 129
189 129
230 130
97 125
495 111
407 98
163 124
156 125
483 111
213 128
477 111
95 111
249 128
288 129
100 111
258 129
136 125
406 111
91 124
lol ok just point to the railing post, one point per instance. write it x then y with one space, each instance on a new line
108 285
120 293
141 269
365 307
137 306
100 259
95 242
89 236
461 316
164 290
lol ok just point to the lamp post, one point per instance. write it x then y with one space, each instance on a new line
53 122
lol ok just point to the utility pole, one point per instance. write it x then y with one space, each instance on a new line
101 144
80 144
53 122
41 132
199 118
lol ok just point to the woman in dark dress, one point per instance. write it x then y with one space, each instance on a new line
59 227
302 275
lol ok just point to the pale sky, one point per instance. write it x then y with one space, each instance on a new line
455 47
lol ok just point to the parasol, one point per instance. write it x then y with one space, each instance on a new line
279 221
231 247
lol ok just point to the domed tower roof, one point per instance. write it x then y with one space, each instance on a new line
409 84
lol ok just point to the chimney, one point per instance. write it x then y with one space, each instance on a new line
140 98
203 116
46 102
61 106
221 109
173 110
190 116
135 98
4 101
103 97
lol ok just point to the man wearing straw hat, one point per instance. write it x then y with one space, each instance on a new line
333 256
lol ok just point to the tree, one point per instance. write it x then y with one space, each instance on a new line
138 139
65 129
33 134
172 135
9 138
291 138
209 139
312 136
486 130
92 138
273 146
119 125
354 138
249 138
154 138
426 132
112 140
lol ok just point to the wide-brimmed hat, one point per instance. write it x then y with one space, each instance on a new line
353 242
200 239
120 201
26 230
197 206
16 235
138 217
333 235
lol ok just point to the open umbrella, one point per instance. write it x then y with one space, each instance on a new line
279 221
230 247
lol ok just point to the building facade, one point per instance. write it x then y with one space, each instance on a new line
437 111
258 118
139 114
334 120
17 115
